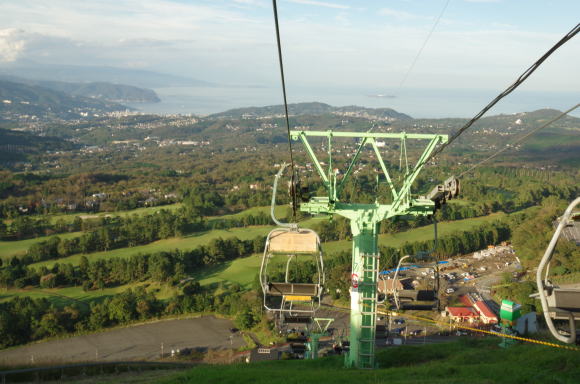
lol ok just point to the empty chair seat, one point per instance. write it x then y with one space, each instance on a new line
285 289
290 242
297 319
562 301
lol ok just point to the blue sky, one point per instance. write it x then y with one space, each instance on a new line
478 44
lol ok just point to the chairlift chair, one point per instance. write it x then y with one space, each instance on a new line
403 295
286 295
290 243
559 303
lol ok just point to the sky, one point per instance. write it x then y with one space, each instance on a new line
477 44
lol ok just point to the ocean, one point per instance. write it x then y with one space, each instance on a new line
418 103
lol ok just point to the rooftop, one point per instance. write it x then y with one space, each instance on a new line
462 312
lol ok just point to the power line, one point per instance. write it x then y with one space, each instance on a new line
524 137
472 329
446 324
422 47
293 185
523 77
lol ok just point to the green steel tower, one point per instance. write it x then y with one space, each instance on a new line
365 220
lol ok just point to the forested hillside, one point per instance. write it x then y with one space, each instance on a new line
98 90
22 101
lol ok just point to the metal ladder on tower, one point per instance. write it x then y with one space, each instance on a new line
368 304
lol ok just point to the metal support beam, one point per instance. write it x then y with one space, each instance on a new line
365 221
384 168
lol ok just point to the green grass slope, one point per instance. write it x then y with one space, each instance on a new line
203 238
62 297
243 271
8 249
465 361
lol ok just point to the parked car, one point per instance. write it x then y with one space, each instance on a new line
399 321
449 290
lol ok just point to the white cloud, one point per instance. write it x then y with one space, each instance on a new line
320 4
401 15
12 44
253 3
227 43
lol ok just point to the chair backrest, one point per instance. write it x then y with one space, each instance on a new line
291 242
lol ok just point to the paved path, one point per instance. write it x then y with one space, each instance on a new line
139 342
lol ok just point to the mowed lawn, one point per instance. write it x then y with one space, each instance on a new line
75 295
138 211
8 249
248 233
182 243
280 212
419 234
243 271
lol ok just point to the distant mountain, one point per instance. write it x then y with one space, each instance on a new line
118 93
17 99
313 108
534 119
82 74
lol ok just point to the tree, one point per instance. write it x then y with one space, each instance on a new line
191 288
160 267
246 319
49 325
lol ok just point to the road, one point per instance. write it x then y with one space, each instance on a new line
139 342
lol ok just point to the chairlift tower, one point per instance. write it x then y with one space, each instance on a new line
365 221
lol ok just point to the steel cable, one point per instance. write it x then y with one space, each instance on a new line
292 169
523 77
521 139
422 47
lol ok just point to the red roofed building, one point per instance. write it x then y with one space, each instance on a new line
486 314
462 314
466 300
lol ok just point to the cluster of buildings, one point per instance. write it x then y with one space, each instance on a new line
474 311
369 115
493 250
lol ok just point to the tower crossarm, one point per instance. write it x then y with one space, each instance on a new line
402 203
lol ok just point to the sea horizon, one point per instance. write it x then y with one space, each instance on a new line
417 103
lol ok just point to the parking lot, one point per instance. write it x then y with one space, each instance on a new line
473 273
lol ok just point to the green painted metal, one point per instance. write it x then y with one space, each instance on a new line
365 222
507 342
510 312
314 337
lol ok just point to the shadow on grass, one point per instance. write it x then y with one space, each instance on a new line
212 271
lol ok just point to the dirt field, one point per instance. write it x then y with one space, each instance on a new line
140 342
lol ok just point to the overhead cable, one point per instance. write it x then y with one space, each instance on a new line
422 47
521 139
292 170
527 73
